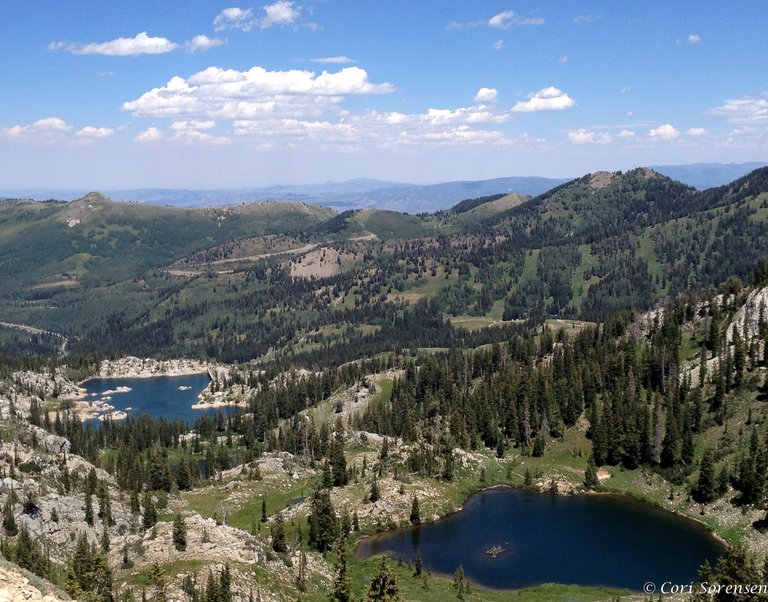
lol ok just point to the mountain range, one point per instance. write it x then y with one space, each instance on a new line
262 280
396 196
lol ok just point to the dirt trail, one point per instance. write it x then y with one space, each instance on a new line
35 330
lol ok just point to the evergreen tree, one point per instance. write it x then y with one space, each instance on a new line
735 567
591 480
671 446
706 489
342 585
105 543
183 476
28 556
337 460
383 586
179 533
323 525
225 584
375 494
89 577
279 543
157 575
263 509
88 510
528 479
346 523
418 566
9 520
149 518
460 582
415 517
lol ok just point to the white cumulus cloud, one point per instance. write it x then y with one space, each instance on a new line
279 13
91 133
54 130
696 132
627 134
664 132
217 93
234 18
42 128
141 43
749 109
486 95
151 134
694 39
548 99
202 43
584 136
193 125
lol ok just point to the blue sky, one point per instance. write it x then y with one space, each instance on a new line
201 94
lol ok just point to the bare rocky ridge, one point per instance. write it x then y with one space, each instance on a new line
17 585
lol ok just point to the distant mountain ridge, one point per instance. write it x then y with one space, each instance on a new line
239 281
364 193
708 175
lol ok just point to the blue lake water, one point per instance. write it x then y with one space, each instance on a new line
588 540
168 397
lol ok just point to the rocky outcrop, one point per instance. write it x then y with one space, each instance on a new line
748 317
134 367
17 585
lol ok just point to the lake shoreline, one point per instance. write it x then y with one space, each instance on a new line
398 541
89 406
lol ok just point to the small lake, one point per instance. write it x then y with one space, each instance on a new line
168 397
588 540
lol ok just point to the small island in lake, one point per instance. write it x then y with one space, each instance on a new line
495 551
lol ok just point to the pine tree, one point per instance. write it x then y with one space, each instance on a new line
149 519
279 543
383 586
9 520
671 446
342 585
415 517
528 479
28 556
323 525
418 566
375 494
88 510
459 582
225 584
263 509
179 533
337 460
736 567
105 542
88 574
706 489
591 480
157 576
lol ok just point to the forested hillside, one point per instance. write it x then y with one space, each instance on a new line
668 406
296 284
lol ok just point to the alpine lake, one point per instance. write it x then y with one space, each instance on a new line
169 397
507 538
504 538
